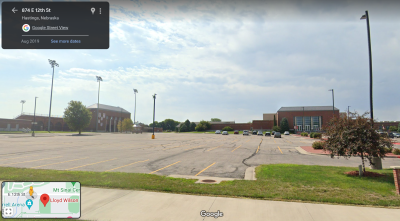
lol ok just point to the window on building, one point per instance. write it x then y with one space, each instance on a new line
299 121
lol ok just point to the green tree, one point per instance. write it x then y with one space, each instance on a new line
77 116
392 128
206 124
127 125
274 120
192 126
156 124
170 124
215 120
276 128
187 123
284 125
183 128
227 128
119 126
355 137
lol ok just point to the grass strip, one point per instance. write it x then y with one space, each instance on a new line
285 182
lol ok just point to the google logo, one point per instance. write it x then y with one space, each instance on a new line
26 28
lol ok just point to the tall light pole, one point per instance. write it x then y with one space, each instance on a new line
370 68
333 100
22 102
98 100
52 63
34 119
303 121
154 114
348 112
134 113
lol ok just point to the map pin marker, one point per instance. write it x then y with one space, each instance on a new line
44 198
29 203
73 183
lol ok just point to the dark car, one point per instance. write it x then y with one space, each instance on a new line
391 135
277 134
254 132
273 133
267 133
236 132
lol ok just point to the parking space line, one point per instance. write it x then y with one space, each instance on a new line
195 147
204 169
274 141
172 147
247 141
258 148
164 167
59 162
128 165
19 157
280 149
29 161
236 148
90 164
215 147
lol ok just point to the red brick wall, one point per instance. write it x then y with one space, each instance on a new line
56 123
262 124
386 124
13 123
240 126
326 116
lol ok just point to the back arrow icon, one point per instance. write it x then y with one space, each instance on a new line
14 10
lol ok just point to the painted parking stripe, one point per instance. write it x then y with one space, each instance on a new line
204 169
19 157
30 161
165 167
90 164
195 147
215 147
128 165
236 148
258 148
172 147
280 149
59 162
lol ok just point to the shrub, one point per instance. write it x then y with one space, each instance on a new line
304 134
388 150
276 128
396 151
318 144
227 128
312 134
291 131
317 135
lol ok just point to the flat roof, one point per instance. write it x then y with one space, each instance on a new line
307 108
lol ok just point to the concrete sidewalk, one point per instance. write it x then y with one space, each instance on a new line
112 204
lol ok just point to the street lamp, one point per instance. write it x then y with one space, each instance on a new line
98 100
34 119
154 114
22 102
370 68
134 113
333 100
303 121
52 63
348 112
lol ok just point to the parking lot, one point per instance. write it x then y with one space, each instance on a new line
169 154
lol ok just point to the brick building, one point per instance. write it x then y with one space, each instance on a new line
108 117
307 118
56 122
14 124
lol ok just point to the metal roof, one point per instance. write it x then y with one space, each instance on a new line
108 107
307 108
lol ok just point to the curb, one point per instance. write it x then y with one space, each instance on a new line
250 174
201 178
302 151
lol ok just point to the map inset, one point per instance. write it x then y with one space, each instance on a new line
41 199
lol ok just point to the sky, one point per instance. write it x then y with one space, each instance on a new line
233 60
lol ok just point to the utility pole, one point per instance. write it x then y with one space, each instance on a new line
348 112
154 114
333 100
52 63
98 102
34 119
23 102
134 113
366 16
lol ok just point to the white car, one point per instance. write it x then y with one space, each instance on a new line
246 132
286 133
396 135
217 132
224 132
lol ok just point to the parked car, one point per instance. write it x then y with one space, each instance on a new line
259 133
246 132
236 132
286 133
224 132
277 134
273 133
396 135
217 132
391 135
254 132
267 133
